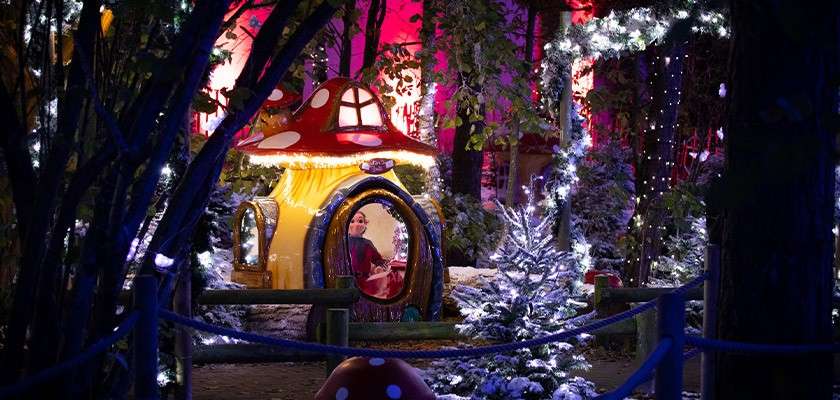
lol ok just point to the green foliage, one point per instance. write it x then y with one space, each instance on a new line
470 228
237 97
683 202
620 95
475 37
413 177
393 73
249 178
204 103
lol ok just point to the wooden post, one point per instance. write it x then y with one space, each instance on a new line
337 334
599 305
338 324
711 285
146 339
671 320
646 337
344 282
183 339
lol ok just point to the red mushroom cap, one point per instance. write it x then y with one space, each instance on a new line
361 378
341 118
281 97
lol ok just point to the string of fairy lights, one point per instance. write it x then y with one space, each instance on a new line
654 187
617 34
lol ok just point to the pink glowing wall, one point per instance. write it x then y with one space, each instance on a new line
397 28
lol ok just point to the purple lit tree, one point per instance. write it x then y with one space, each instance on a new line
112 106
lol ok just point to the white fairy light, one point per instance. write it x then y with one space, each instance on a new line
163 261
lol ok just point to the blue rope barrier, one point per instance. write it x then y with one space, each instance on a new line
448 353
692 283
101 345
729 346
692 353
686 356
642 375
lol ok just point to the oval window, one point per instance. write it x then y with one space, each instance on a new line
249 240
378 243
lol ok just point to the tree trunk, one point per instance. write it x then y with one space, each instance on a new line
778 202
654 175
513 166
564 122
373 29
466 163
49 185
426 114
346 38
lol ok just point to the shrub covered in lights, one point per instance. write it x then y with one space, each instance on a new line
531 296
565 160
620 32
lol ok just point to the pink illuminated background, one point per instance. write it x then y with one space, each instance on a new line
397 28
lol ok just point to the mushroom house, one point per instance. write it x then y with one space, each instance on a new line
339 209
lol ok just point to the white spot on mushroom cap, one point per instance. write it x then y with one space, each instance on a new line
366 140
342 393
376 361
255 138
275 95
280 140
320 98
393 392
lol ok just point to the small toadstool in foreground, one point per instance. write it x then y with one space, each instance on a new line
361 378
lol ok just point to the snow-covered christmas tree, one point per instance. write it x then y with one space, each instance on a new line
531 296
685 256
604 200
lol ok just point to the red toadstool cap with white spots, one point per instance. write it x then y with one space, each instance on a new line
361 378
342 118
281 97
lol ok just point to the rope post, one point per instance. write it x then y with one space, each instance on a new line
670 311
646 337
337 334
710 292
344 282
338 325
146 339
602 282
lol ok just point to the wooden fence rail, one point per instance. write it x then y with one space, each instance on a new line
336 331
327 297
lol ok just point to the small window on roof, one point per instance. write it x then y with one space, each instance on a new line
358 108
